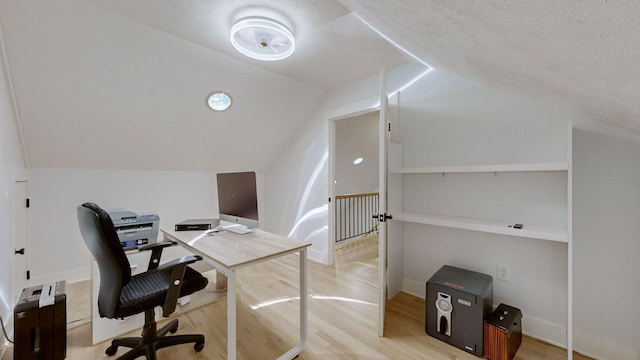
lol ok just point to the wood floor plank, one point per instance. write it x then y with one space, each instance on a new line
342 317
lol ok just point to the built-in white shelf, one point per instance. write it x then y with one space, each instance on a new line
533 167
489 226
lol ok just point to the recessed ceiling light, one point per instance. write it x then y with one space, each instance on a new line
358 160
262 38
219 101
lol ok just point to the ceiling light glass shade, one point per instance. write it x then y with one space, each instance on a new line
262 39
219 101
358 160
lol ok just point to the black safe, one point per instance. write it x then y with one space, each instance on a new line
40 323
457 303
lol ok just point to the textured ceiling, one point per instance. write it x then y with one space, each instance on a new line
582 53
333 47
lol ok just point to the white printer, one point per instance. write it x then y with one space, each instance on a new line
135 228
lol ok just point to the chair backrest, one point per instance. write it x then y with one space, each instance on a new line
102 240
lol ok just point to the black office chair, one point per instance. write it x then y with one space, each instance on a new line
122 295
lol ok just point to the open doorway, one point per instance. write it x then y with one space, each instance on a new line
353 175
379 106
355 183
386 107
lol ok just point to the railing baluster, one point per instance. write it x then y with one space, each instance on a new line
354 215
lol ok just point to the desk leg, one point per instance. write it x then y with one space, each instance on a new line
231 315
296 350
303 298
221 280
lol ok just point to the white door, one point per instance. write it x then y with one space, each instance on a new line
20 235
382 204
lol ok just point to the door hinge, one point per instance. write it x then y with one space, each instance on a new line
28 275
27 202
389 129
329 199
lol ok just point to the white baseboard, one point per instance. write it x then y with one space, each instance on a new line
70 276
555 334
601 348
414 288
317 256
546 331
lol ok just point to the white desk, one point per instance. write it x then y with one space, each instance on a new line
228 252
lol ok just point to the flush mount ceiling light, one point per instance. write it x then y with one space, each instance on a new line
358 160
219 101
262 38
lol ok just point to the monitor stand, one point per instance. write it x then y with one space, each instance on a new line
238 229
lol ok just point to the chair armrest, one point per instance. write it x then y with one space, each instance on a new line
161 244
186 260
156 252
177 267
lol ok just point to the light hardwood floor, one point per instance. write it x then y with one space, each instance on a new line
342 317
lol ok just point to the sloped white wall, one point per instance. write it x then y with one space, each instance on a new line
12 168
102 91
296 182
296 190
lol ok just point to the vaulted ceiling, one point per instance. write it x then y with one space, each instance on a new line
122 83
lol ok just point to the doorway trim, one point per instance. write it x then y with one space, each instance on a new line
20 233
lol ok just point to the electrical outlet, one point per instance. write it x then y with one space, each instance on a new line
502 273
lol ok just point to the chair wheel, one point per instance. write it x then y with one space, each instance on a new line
198 346
111 350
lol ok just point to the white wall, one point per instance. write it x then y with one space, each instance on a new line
485 123
606 216
357 136
296 183
606 252
464 123
12 168
58 251
98 77
296 188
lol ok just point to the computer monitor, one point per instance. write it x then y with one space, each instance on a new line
238 198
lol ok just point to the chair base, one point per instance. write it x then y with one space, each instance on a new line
153 339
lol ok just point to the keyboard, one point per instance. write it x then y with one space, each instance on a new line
238 229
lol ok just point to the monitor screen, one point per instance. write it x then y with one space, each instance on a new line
238 198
